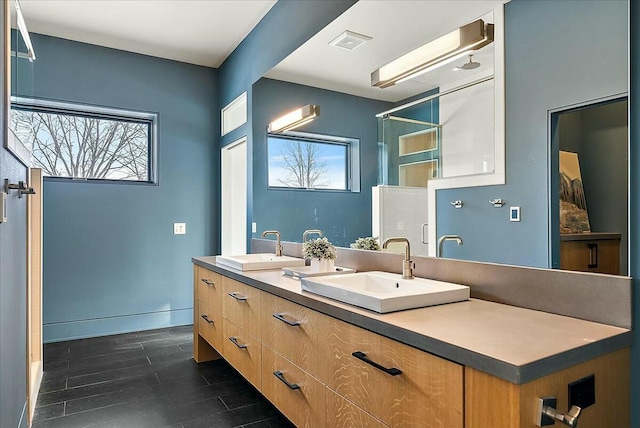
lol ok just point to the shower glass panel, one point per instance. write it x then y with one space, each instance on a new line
410 151
448 136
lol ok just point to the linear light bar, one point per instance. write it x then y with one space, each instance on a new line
294 118
22 27
438 52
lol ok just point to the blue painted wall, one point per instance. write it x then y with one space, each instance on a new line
111 261
342 216
548 66
288 25
13 279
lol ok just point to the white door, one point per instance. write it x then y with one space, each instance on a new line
234 197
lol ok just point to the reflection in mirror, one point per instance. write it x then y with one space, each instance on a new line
22 57
590 211
353 117
548 71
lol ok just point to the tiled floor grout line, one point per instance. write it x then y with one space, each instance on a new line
174 372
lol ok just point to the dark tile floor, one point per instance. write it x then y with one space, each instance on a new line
145 379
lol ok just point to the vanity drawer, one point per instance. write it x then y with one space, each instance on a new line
296 332
242 351
210 325
417 388
209 286
302 400
241 305
342 413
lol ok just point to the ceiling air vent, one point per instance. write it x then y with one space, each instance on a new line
349 40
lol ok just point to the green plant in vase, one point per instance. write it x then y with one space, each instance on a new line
368 243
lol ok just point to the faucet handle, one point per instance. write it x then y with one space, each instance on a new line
548 415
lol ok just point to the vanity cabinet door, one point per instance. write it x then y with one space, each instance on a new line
299 396
243 352
207 314
296 332
600 256
398 384
241 306
341 413
209 306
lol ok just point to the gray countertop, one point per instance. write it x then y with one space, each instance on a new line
512 343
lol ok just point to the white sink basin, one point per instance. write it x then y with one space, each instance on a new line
259 261
385 292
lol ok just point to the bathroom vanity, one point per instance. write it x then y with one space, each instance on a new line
472 364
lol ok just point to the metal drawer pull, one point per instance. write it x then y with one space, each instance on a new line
363 357
280 376
593 256
235 342
286 321
206 318
208 282
237 296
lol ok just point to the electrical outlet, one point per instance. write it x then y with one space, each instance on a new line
179 228
582 392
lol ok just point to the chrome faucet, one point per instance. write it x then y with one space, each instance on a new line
407 264
309 232
278 246
447 238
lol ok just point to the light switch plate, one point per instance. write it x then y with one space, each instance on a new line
179 228
514 214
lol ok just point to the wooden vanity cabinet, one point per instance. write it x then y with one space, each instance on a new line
296 332
590 252
395 383
297 394
496 403
207 314
241 305
322 372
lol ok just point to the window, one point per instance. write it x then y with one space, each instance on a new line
313 162
86 142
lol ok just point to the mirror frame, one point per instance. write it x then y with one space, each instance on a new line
11 142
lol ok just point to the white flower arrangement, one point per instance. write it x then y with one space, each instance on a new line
320 249
368 243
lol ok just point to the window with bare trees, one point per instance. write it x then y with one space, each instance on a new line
84 142
311 162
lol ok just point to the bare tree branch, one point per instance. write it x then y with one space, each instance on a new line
85 147
304 165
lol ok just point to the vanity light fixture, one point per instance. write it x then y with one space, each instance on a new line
436 53
22 27
294 119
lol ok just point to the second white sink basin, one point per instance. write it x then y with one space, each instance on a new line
259 261
385 292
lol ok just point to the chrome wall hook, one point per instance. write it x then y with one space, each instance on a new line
498 203
457 204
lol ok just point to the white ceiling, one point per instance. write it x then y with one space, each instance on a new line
396 27
202 32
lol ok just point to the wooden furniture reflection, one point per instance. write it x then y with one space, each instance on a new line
590 252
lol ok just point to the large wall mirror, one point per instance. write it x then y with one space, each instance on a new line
22 55
549 67
457 100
